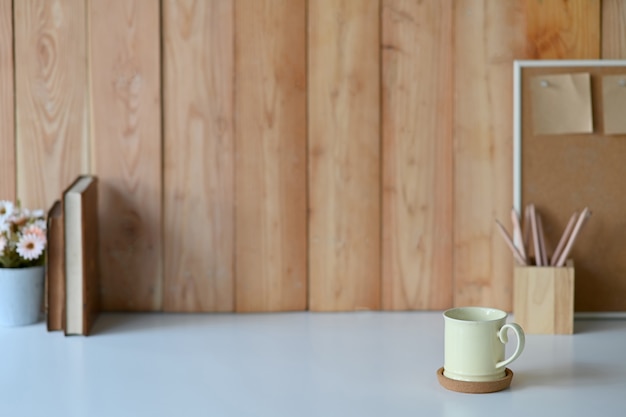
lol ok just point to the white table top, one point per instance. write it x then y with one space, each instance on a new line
295 364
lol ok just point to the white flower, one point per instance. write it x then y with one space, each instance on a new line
38 213
3 244
5 226
6 209
31 246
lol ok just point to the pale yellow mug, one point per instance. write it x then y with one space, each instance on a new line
474 339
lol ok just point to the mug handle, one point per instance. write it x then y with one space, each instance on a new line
504 338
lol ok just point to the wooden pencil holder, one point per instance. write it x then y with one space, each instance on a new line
543 298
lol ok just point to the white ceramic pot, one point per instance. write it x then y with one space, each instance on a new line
21 295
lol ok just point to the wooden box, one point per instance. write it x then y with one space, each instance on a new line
543 298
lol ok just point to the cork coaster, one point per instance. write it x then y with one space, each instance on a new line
472 387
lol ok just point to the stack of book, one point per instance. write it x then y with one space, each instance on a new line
72 299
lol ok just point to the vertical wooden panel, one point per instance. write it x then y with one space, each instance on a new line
417 154
125 87
489 35
270 175
198 235
613 29
51 80
563 29
7 109
344 154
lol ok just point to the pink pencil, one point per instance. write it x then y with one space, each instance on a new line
535 233
518 241
542 240
509 242
564 238
581 220
526 235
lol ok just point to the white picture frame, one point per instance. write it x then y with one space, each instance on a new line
518 66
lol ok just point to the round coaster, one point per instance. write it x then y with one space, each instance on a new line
472 387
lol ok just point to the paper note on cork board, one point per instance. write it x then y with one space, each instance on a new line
614 104
561 104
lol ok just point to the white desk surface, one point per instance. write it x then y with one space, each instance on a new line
297 365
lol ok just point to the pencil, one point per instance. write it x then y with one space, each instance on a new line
509 242
518 241
542 240
535 233
570 242
564 237
526 235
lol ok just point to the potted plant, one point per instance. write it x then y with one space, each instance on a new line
22 258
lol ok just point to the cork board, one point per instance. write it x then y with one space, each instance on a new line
563 173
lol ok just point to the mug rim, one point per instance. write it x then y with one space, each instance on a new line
498 314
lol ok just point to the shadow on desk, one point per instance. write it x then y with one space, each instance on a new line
109 323
123 323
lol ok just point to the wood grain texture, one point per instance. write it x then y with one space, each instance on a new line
126 128
50 89
348 181
558 29
344 155
271 227
417 154
7 105
489 35
543 300
613 29
198 90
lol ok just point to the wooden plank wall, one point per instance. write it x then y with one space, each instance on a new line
50 98
198 88
7 107
344 155
613 29
267 155
125 108
270 167
417 154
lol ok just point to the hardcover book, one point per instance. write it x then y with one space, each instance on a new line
55 269
80 210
